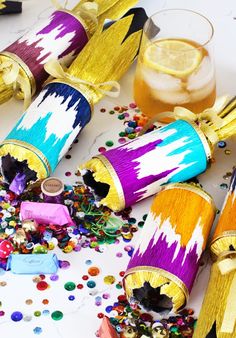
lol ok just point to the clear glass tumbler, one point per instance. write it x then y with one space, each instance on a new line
175 65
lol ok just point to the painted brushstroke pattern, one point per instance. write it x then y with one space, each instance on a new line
175 234
53 121
61 36
174 153
227 219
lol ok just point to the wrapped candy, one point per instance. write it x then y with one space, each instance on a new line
10 7
45 213
29 225
61 36
6 248
218 314
177 152
106 330
19 237
47 129
165 261
33 263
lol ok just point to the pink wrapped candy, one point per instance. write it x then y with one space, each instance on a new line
46 213
6 248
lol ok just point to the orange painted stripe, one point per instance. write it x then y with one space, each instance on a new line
227 219
184 208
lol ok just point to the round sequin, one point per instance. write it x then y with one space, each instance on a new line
88 262
45 301
224 186
101 149
46 312
16 316
69 286
57 315
64 264
91 284
28 301
37 330
71 297
227 152
54 278
2 313
93 271
122 140
109 143
37 313
68 173
42 285
221 144
109 280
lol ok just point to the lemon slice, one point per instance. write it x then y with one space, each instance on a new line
174 57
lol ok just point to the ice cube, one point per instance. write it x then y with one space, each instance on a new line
203 92
172 97
160 81
202 76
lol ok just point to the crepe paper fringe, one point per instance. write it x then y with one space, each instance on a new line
10 7
172 241
214 306
136 280
111 9
117 56
224 238
103 176
140 168
228 126
61 110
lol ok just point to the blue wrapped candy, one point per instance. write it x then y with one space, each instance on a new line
33 263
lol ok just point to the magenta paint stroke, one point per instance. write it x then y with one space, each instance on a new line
62 36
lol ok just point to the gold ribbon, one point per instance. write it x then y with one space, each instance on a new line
86 10
209 114
227 265
11 75
54 68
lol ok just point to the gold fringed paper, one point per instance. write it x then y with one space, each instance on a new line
111 9
219 306
35 159
224 238
2 4
217 123
90 66
101 174
169 284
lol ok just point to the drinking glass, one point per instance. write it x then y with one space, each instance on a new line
175 65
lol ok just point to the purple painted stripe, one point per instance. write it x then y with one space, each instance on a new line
35 56
160 255
127 169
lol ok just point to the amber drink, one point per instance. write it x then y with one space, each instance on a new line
175 69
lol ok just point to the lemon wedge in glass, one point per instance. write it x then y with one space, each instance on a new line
174 57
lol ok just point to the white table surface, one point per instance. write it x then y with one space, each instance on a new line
80 316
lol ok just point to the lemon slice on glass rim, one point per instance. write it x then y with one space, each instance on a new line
173 57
